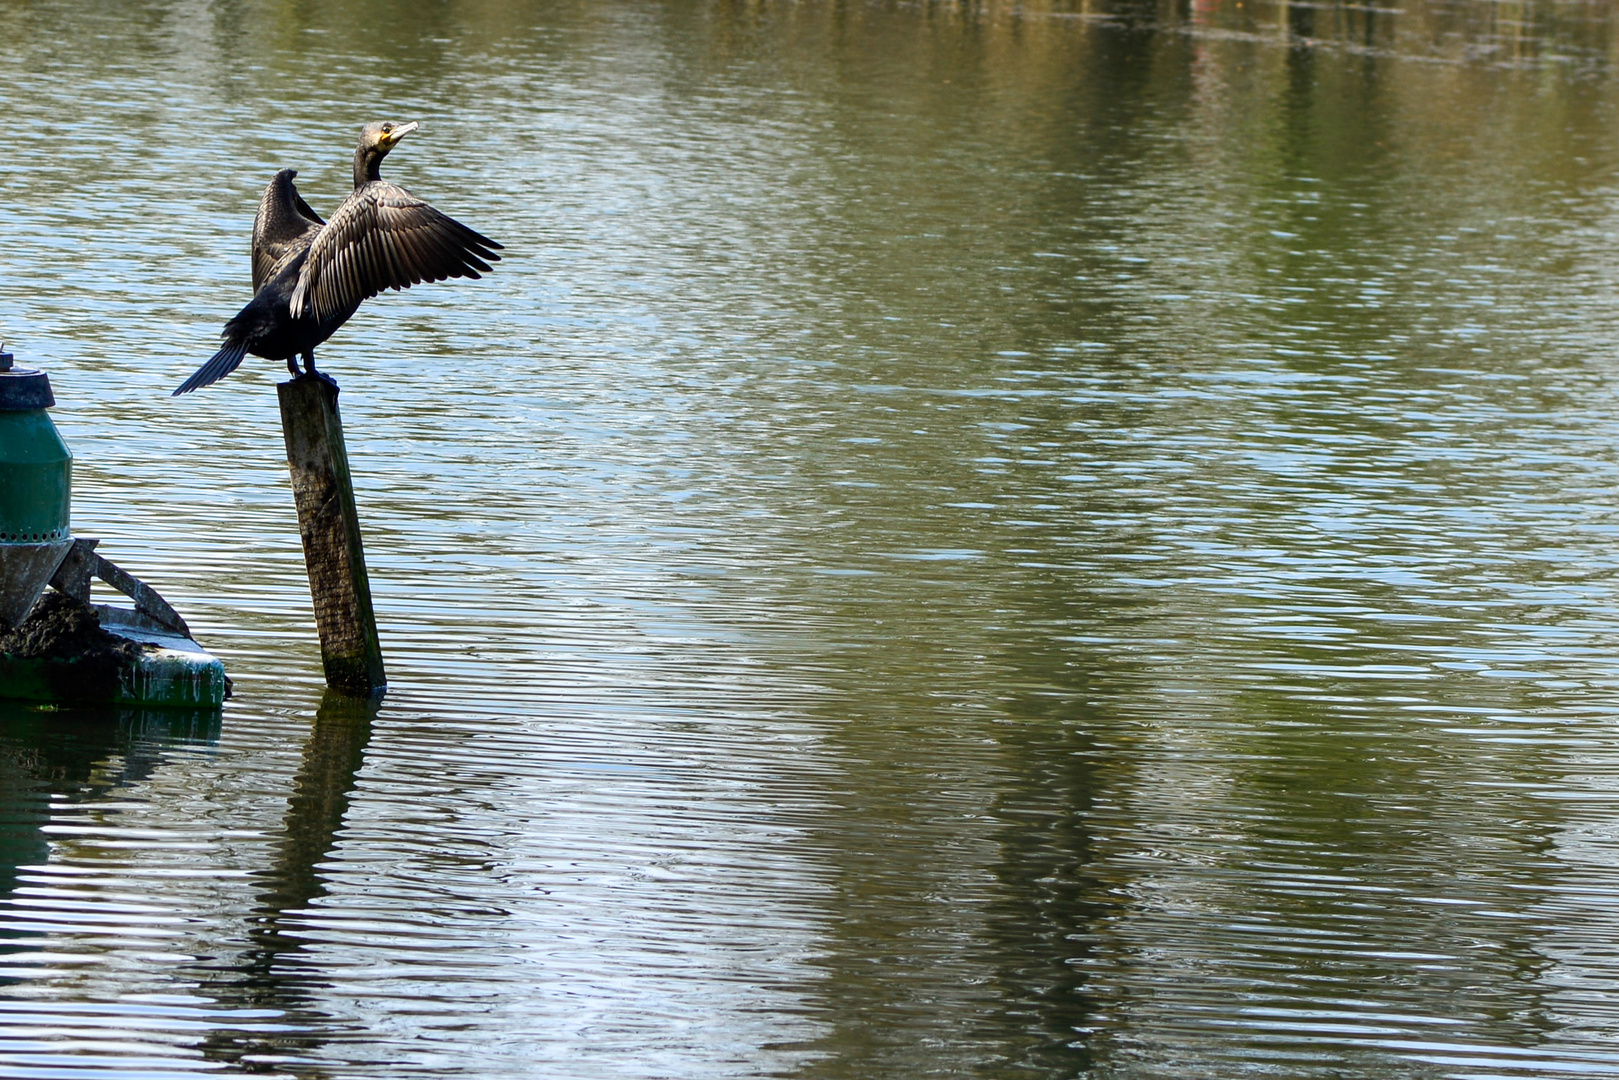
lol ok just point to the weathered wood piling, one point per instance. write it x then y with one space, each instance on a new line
330 527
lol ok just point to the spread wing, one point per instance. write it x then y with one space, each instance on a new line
284 224
383 237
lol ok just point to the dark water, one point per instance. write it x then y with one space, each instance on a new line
963 540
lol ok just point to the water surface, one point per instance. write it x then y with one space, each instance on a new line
1008 541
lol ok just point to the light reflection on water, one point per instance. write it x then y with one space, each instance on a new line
1020 544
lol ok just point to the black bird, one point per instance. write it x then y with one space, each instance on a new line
310 276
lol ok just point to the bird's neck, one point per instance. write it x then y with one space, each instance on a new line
367 167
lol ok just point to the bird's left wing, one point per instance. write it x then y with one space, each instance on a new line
283 225
383 237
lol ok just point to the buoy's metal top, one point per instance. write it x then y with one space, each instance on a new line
23 388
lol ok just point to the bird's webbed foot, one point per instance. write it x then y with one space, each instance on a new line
309 371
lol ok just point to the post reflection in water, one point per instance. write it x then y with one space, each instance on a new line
264 976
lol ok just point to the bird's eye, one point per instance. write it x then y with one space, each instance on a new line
387 128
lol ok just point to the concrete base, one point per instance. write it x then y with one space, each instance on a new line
176 672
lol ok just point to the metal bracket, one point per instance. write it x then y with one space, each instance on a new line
82 563
77 567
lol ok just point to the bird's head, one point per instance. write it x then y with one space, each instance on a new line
375 142
384 136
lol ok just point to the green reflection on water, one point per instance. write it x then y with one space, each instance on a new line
55 757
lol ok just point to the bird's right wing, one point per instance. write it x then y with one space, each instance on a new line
283 224
383 237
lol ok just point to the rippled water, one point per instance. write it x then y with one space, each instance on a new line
962 540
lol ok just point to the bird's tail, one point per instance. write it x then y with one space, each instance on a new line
221 364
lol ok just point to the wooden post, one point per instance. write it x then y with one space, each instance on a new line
331 532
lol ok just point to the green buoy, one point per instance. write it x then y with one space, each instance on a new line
36 481
149 657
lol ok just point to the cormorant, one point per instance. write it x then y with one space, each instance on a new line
310 276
